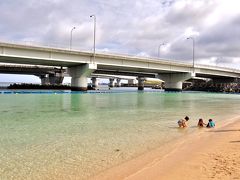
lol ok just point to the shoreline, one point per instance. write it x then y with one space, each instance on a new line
206 154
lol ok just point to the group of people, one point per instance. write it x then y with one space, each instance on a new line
182 123
210 123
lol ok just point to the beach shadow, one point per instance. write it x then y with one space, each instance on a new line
234 141
226 130
176 127
195 127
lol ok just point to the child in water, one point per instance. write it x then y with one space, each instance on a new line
210 124
182 122
201 123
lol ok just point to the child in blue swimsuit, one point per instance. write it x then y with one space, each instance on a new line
210 124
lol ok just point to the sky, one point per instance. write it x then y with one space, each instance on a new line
136 27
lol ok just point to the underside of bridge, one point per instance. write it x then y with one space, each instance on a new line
54 75
47 74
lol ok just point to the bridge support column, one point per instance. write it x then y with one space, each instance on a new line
79 76
111 82
56 78
141 83
44 79
51 79
174 81
94 82
118 82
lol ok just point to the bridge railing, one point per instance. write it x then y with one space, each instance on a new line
144 58
52 45
61 46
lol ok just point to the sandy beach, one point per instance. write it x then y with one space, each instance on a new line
207 154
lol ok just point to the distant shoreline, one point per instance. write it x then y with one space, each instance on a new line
38 86
29 86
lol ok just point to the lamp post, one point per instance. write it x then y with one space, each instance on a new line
94 37
71 37
159 48
193 50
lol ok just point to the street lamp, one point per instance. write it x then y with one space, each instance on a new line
94 37
159 48
193 41
71 37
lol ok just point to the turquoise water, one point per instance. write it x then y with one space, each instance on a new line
64 136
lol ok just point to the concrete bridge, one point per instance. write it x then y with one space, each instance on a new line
81 65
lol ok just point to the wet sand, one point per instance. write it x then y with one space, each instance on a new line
207 154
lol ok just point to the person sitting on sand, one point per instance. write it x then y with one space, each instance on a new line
201 123
182 122
210 124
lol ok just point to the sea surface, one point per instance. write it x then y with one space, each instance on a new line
62 135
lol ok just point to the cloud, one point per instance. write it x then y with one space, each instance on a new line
130 27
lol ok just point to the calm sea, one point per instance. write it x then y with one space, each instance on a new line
74 136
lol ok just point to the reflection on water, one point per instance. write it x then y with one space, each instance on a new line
64 136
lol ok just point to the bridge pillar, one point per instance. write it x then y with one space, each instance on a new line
79 76
141 83
118 82
56 78
94 82
111 82
51 79
44 79
174 81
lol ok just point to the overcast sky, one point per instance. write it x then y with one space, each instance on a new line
135 27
